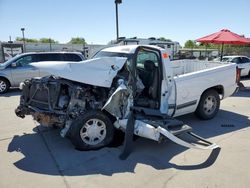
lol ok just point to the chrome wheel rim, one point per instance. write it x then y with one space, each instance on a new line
93 132
3 86
209 105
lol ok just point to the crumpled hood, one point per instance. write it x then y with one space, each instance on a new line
98 71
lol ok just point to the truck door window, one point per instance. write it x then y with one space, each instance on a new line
146 55
147 68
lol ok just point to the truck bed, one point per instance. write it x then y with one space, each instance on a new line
193 77
186 66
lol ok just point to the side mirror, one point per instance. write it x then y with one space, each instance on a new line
14 64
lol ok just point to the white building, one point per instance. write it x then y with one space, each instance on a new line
172 48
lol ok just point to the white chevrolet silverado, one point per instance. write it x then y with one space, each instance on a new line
133 88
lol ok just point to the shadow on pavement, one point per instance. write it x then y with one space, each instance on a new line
244 92
45 148
11 92
245 78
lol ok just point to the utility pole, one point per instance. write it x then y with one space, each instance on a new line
24 45
50 47
116 13
83 43
10 41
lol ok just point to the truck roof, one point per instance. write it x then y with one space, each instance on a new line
128 49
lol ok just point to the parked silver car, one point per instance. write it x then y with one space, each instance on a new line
20 68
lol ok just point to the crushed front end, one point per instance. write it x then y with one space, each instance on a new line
55 101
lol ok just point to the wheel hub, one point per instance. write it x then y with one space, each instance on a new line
93 132
209 105
2 86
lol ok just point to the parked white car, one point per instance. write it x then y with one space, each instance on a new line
243 62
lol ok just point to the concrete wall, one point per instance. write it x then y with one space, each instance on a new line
90 49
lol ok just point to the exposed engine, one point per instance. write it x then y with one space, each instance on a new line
54 101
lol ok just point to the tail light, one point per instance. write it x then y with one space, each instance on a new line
238 75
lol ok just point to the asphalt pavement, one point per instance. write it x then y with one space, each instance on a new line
33 156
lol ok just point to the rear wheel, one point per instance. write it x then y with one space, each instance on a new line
93 130
4 85
209 105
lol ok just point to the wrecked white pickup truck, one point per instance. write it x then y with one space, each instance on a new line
132 88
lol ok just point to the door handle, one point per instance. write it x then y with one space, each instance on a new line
164 93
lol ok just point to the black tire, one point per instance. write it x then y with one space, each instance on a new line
4 85
209 105
85 142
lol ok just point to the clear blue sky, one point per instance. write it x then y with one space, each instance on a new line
94 20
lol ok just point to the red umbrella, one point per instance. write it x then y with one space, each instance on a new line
224 37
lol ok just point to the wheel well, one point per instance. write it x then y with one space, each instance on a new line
6 80
111 117
218 88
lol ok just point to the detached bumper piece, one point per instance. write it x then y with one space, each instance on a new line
159 127
200 144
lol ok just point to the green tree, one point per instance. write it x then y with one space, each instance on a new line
47 40
77 40
42 40
190 44
208 46
27 40
164 39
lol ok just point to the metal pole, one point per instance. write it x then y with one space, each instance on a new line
206 53
84 49
221 53
11 47
24 45
50 47
117 26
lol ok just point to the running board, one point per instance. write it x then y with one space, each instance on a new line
206 145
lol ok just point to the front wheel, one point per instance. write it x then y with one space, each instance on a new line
209 105
92 130
4 85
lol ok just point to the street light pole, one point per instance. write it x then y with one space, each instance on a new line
83 43
116 13
50 47
24 45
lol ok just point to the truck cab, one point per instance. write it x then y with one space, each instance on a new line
151 69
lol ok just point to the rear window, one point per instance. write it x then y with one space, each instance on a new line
50 57
237 60
245 60
72 57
